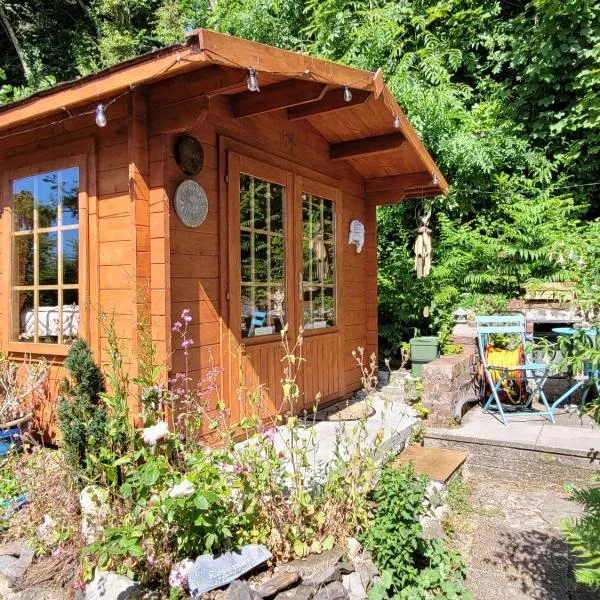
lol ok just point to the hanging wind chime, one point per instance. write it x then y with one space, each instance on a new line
423 245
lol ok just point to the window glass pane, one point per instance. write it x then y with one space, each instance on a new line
48 316
246 255
70 255
47 199
276 208
246 201
48 251
262 254
46 204
318 227
70 316
259 204
261 257
23 194
23 319
23 262
69 192
277 258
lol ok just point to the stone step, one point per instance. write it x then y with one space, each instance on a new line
439 464
501 462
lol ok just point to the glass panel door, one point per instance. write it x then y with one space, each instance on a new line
262 256
319 269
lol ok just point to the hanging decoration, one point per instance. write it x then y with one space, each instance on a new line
423 245
189 154
357 234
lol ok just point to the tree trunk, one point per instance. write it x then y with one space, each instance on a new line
15 42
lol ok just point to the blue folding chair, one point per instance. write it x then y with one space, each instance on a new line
498 377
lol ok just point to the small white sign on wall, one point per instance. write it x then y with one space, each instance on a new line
357 234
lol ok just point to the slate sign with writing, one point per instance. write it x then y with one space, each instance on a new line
210 572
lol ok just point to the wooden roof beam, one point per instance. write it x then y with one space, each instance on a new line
332 100
276 96
400 182
366 146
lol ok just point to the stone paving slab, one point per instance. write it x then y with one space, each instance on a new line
528 433
439 464
514 546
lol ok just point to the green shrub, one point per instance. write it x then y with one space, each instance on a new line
81 414
412 567
583 535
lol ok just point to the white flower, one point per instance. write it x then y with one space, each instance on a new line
152 434
182 489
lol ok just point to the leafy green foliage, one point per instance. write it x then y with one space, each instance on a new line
412 567
81 413
160 526
583 535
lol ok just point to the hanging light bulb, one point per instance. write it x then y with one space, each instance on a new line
100 116
397 122
252 81
434 178
347 93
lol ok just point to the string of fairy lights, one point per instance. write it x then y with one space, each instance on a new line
250 78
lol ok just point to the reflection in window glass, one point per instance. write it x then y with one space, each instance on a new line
262 257
318 249
45 260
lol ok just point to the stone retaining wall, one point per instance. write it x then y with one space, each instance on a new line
446 381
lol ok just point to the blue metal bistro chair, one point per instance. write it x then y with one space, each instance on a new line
499 377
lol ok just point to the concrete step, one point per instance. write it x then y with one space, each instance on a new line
493 461
529 448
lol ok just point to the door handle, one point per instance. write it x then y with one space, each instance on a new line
300 282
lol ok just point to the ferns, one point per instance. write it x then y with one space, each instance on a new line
583 536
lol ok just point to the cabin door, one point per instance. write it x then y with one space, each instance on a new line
282 270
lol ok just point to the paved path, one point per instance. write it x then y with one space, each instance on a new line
513 543
570 435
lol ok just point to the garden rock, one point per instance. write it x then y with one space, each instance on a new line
329 575
354 586
333 591
345 567
302 592
354 549
15 558
278 583
315 563
110 586
95 512
432 528
240 590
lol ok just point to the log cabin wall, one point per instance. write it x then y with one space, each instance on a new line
198 269
115 253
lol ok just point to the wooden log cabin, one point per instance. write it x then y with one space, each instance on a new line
216 175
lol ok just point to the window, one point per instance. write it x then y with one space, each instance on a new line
45 257
318 243
262 251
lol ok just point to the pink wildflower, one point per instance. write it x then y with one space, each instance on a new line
176 326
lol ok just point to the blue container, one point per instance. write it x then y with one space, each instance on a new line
8 439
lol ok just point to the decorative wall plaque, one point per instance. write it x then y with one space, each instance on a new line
189 154
357 234
191 203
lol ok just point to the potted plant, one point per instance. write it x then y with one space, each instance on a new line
20 382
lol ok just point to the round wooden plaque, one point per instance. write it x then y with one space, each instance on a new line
189 154
191 203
